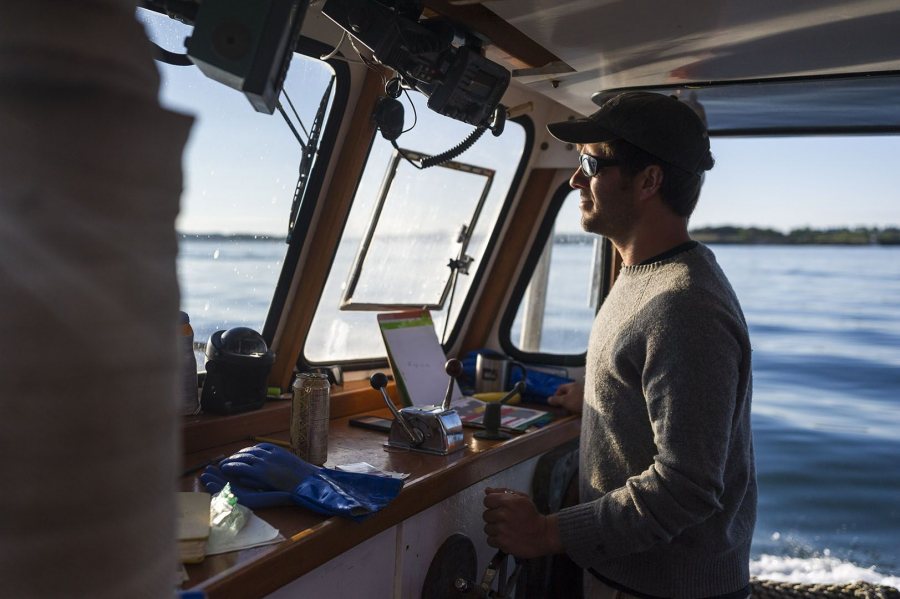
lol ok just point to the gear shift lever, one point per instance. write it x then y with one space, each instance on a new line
454 368
429 429
379 382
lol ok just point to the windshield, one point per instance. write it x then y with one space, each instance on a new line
241 172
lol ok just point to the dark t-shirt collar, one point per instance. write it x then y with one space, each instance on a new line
681 247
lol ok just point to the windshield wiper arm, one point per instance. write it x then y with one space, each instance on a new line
306 160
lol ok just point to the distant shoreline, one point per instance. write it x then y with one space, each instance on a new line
229 237
805 236
859 236
757 236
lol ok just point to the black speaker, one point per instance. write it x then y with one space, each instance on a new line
238 363
247 45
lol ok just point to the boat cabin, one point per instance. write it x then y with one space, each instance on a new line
354 158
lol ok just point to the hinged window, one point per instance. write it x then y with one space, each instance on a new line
418 235
414 237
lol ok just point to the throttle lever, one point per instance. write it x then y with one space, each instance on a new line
379 382
454 368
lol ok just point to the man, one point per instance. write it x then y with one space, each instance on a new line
667 477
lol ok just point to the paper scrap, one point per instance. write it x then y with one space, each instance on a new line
255 533
367 468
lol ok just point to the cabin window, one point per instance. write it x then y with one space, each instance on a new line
557 306
406 225
374 281
241 173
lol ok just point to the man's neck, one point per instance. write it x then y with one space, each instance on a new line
641 247
656 229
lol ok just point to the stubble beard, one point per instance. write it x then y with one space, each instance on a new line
611 223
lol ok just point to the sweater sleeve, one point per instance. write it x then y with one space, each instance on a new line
690 375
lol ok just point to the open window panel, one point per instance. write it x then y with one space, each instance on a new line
416 243
404 228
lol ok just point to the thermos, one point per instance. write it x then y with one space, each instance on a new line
492 373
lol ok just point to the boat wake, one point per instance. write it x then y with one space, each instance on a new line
816 570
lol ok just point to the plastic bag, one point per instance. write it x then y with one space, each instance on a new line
226 516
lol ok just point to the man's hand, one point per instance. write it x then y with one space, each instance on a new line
513 524
569 396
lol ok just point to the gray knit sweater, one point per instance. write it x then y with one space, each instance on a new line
668 485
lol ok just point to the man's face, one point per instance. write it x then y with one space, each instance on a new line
607 198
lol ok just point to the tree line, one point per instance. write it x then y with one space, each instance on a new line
804 236
760 236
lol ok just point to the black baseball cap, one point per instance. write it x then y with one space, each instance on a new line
661 125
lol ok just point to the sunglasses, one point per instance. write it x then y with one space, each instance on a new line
591 165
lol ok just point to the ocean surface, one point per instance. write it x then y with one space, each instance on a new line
825 327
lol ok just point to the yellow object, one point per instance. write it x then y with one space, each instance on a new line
497 396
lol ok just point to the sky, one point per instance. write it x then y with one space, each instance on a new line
241 166
788 183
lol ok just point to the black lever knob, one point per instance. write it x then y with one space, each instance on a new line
453 367
378 381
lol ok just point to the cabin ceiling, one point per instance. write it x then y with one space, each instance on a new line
612 44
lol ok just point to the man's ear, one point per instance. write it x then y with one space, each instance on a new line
650 180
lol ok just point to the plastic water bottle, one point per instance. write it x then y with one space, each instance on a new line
190 402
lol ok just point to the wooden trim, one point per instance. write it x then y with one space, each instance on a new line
501 34
207 431
509 251
312 272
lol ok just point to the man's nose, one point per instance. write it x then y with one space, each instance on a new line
578 180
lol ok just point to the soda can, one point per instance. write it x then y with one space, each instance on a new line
309 417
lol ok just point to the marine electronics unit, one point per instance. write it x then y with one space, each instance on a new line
244 44
433 56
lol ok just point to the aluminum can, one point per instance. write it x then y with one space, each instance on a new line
309 417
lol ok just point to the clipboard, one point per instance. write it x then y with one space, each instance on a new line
416 357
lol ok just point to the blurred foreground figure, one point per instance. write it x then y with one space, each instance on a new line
90 177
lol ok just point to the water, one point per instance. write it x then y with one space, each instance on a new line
825 327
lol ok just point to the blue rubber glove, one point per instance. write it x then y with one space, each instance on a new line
214 481
267 467
332 492
264 472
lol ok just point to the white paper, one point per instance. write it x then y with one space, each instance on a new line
256 532
367 468
418 356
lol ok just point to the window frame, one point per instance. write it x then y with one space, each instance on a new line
310 48
518 293
347 302
491 245
312 194
453 334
